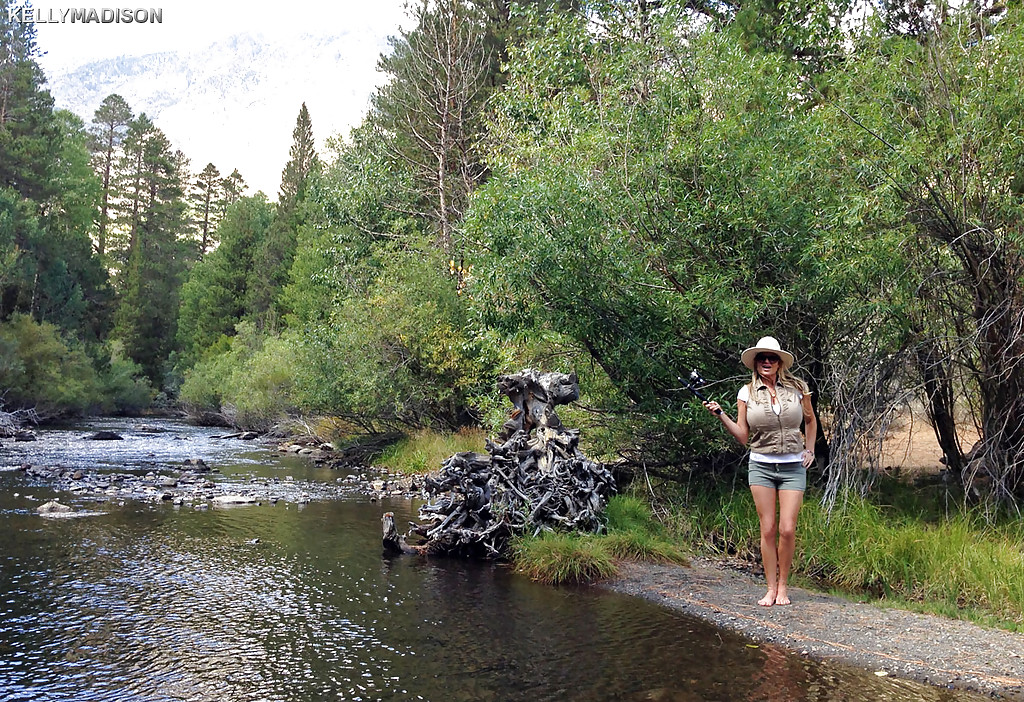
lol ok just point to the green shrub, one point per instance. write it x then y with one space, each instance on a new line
249 379
261 390
43 371
126 390
203 387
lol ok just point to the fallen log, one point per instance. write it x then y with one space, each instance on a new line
533 478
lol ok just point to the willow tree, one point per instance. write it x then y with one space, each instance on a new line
638 205
939 115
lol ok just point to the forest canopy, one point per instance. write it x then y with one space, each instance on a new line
626 190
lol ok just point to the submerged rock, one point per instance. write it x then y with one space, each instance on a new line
229 500
105 436
53 507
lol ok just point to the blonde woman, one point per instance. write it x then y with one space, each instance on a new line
769 412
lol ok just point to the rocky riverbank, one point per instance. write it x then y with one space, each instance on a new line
935 650
194 483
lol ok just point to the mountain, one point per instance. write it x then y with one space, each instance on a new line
234 102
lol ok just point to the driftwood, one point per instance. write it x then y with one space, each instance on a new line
532 479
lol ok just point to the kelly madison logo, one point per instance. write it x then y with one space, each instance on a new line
84 15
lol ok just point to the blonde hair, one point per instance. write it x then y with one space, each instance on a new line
784 378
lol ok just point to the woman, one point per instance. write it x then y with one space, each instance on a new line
769 412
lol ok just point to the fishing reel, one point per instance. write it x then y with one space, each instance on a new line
694 384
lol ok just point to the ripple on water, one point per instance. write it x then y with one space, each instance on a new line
152 603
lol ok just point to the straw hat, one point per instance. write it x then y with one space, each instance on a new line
766 344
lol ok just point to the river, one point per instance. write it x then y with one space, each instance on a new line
293 600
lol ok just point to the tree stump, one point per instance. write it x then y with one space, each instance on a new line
533 478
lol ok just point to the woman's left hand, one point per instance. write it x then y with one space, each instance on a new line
807 458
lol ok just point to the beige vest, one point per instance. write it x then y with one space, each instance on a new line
774 433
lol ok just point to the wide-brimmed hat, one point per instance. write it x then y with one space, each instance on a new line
766 344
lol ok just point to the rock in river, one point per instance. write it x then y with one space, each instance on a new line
228 500
53 507
105 436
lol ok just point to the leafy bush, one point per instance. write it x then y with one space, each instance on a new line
261 390
125 387
43 371
248 379
400 354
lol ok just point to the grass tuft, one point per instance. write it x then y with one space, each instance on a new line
639 546
634 533
556 558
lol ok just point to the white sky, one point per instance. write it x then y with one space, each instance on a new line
252 137
191 24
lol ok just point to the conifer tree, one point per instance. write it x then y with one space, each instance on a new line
28 134
302 160
274 258
109 125
234 188
207 194
432 106
153 256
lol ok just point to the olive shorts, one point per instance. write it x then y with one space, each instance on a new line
781 476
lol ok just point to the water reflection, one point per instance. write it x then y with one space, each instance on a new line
283 603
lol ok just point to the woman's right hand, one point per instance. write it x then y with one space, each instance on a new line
713 407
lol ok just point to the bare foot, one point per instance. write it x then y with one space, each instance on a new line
769 599
782 598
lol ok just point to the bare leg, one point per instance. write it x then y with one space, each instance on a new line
764 500
789 508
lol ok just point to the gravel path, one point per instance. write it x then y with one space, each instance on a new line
920 647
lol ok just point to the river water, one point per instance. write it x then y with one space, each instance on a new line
292 601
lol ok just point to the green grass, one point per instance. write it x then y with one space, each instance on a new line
904 555
557 558
633 533
425 451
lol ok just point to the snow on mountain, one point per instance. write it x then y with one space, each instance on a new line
234 103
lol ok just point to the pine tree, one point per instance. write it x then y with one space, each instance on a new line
207 195
234 188
109 125
302 161
274 258
153 257
28 134
432 105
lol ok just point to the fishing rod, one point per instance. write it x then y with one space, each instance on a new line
694 384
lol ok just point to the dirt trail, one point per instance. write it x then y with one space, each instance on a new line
904 644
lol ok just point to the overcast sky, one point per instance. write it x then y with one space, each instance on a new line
254 134
189 24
